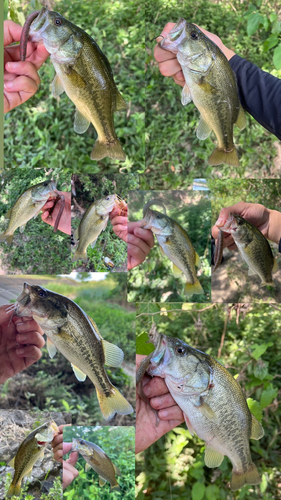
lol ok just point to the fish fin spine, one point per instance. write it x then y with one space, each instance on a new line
113 150
115 403
250 476
190 290
219 156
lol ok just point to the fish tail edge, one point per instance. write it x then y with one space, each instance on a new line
113 150
115 487
79 256
219 156
240 478
115 403
14 490
6 238
191 289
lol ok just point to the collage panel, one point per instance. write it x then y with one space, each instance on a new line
89 335
29 465
246 216
207 420
99 221
102 460
177 268
35 222
89 108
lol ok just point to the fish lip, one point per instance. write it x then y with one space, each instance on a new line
228 226
167 43
38 25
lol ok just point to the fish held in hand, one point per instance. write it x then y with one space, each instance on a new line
30 451
83 72
211 85
93 222
253 247
70 331
98 460
213 404
28 206
175 244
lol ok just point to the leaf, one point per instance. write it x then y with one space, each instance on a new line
198 491
263 484
270 42
261 369
255 408
259 350
277 57
142 347
212 492
254 20
268 395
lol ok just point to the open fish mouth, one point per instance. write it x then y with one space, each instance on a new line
37 20
230 225
170 41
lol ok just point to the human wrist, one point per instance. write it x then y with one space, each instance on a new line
228 52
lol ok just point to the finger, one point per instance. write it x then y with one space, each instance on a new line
12 32
48 204
155 387
170 68
66 448
31 352
165 401
172 413
57 441
31 338
145 235
119 220
28 325
179 78
72 460
4 315
45 216
23 68
161 55
139 243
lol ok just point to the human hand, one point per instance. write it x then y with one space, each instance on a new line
60 449
266 220
20 342
50 218
21 79
169 413
168 63
140 242
120 222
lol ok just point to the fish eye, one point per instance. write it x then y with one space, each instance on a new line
58 21
107 198
42 294
239 222
180 350
194 35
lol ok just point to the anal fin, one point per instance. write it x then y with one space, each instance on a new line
78 373
213 458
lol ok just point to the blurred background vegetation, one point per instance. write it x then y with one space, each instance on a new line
40 132
89 189
245 338
38 250
252 30
153 280
230 282
50 383
119 444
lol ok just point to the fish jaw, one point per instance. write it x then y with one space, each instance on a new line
157 222
172 40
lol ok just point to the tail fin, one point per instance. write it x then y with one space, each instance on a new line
271 283
115 403
190 290
219 156
7 238
250 476
116 487
113 150
79 256
14 490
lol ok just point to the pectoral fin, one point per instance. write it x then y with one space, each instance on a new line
117 470
51 348
213 458
87 467
113 354
257 429
81 124
57 87
203 131
185 95
206 410
78 373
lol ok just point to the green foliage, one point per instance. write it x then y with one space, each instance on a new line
175 463
118 28
119 444
153 280
38 250
55 492
174 155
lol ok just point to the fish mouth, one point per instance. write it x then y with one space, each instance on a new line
170 41
161 357
230 226
39 22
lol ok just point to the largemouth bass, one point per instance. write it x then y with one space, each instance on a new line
28 205
70 331
93 222
211 85
253 247
83 72
98 460
213 404
175 244
30 451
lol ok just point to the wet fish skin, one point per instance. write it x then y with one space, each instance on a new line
73 333
29 451
93 222
27 206
211 85
213 404
84 73
99 461
253 247
176 245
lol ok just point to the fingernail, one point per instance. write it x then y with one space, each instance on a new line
21 338
13 65
20 351
162 413
8 85
147 390
219 222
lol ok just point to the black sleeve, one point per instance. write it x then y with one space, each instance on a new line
260 94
